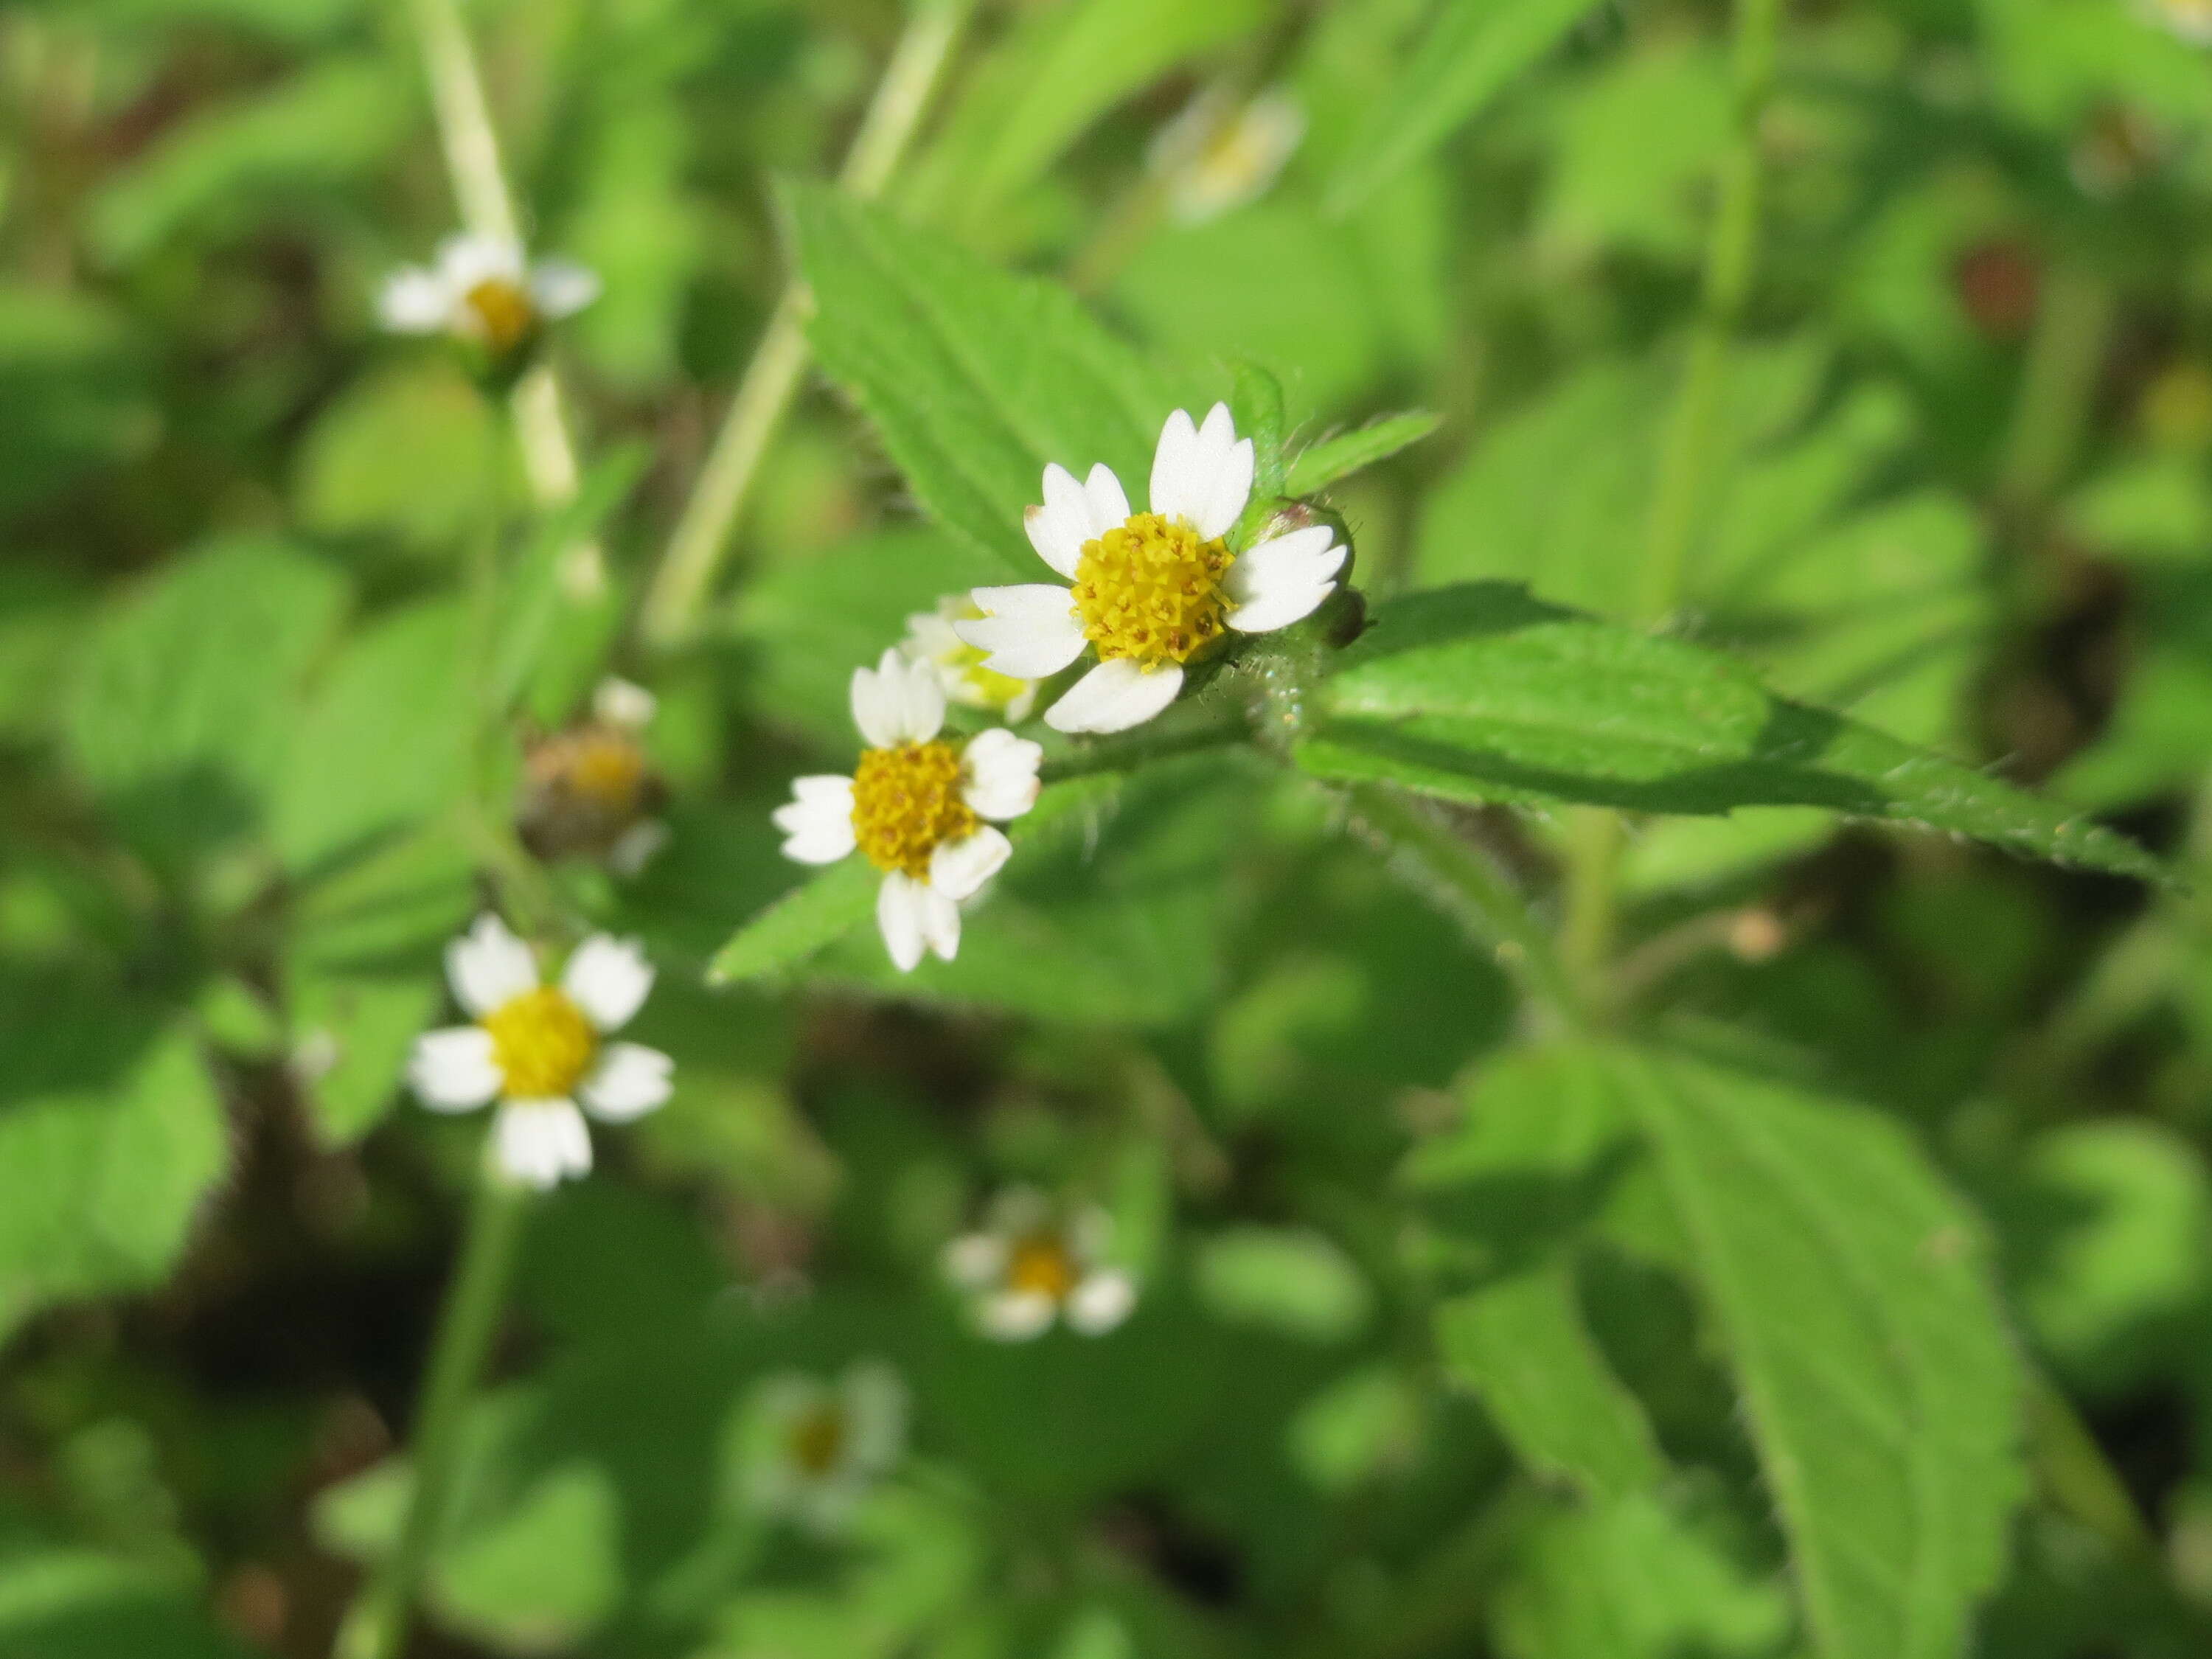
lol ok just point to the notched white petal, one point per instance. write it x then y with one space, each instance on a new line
608 978
629 1081
538 1143
489 966
898 918
1059 528
1176 489
454 1070
958 868
1232 489
1114 696
415 301
1001 772
1101 1302
1108 501
1015 1316
561 287
1029 629
976 1260
818 822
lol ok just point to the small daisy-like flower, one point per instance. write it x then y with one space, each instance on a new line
1030 1266
1213 158
589 789
919 809
539 1048
930 638
1151 591
487 292
812 1449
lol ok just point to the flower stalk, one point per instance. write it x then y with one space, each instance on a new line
702 539
376 1626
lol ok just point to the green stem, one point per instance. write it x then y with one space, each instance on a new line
376 1626
2057 384
702 536
1596 836
1463 880
1687 461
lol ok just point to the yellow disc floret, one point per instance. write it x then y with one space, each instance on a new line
502 312
817 1438
906 804
1150 590
1041 1264
606 768
541 1042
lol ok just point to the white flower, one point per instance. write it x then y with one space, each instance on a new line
590 787
2191 20
1028 1266
916 807
811 1449
930 638
1152 591
539 1048
1213 158
486 291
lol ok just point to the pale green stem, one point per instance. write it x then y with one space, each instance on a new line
1596 836
1687 461
1464 881
470 144
702 537
2057 384
376 1626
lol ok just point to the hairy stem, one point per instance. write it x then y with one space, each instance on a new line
470 144
1464 881
1685 463
702 537
376 1626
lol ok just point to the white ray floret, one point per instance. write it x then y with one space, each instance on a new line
920 808
539 1049
1152 591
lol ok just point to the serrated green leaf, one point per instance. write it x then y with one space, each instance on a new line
1479 693
1522 1345
974 379
1882 1390
1470 52
1321 465
818 913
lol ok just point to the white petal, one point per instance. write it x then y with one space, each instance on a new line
561 287
1015 1316
453 1070
1231 490
466 259
817 820
898 917
637 847
537 1142
1280 581
958 868
1001 772
1177 488
489 966
940 919
1108 501
608 979
1059 528
897 700
1030 630
415 301
629 1081
975 1260
619 702
1114 696
875 1414
1101 1302
1018 1209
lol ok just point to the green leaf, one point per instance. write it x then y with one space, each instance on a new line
1880 1384
1479 693
1523 1345
1470 52
1295 1281
1061 67
816 913
77 1604
404 457
74 393
184 704
1321 465
102 1174
974 379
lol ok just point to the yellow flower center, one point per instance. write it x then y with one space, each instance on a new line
1152 591
987 686
503 313
542 1043
1040 1264
605 768
906 803
817 1438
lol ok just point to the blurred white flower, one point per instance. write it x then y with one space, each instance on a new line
930 638
812 1449
539 1048
1030 1266
917 808
1217 156
590 789
485 291
2191 19
1152 591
